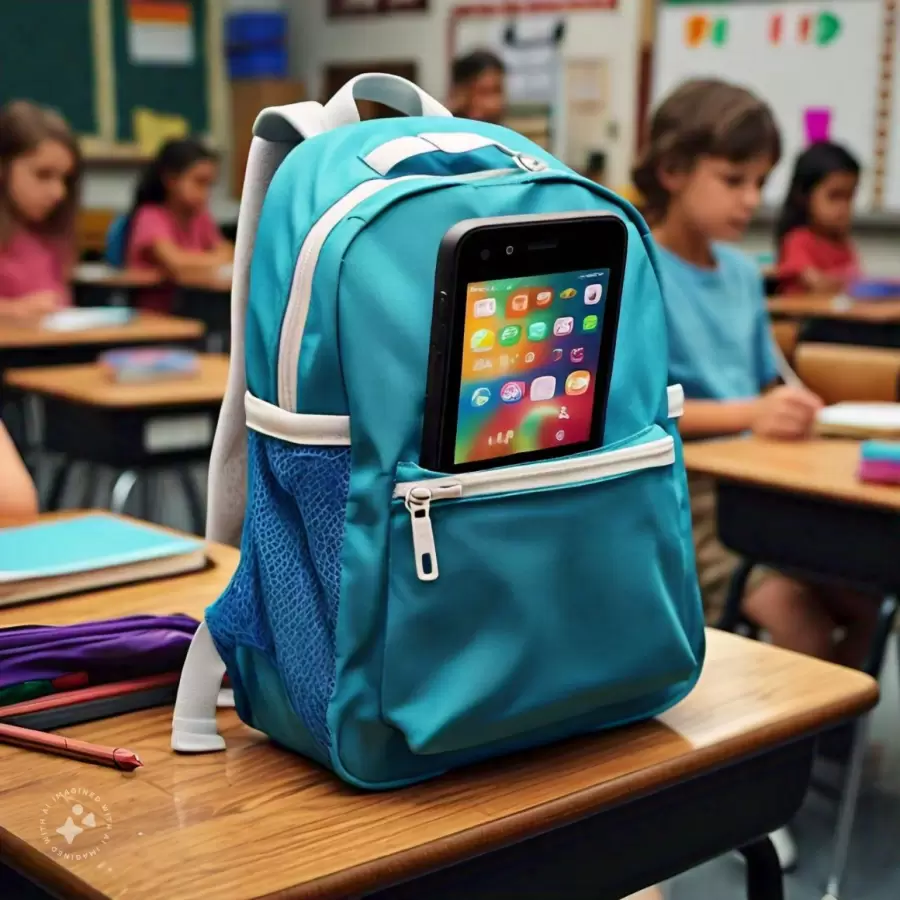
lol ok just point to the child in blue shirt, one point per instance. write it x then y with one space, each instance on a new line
711 147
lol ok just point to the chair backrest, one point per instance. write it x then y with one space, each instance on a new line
115 241
842 372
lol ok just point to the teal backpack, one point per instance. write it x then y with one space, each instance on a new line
566 599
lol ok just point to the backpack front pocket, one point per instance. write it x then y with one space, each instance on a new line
524 596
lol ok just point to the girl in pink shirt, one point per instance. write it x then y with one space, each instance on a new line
170 228
40 169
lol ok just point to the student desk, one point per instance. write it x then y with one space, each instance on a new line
99 284
33 346
597 817
204 296
207 297
873 323
797 507
134 428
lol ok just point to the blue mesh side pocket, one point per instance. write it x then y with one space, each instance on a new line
283 599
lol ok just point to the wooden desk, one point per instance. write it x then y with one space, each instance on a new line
728 764
798 506
106 276
828 319
28 346
137 429
207 296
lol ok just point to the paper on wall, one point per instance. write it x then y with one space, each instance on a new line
160 33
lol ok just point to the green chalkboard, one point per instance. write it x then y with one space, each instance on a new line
46 55
175 89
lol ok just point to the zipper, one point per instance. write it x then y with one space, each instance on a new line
418 496
297 310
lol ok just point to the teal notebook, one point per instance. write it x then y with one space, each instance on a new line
88 551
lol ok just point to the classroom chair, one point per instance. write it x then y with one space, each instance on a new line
732 619
845 372
115 241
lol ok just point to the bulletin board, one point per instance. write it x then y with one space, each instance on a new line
159 58
99 61
46 55
826 68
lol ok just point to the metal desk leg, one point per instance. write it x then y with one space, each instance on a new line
122 490
58 485
764 878
848 810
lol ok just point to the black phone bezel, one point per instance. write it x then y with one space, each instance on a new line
542 245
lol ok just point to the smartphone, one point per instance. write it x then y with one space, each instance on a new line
522 339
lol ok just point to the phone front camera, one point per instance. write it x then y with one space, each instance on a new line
509 250
485 254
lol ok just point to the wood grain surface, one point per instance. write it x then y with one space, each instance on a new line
90 383
144 327
815 306
826 467
257 821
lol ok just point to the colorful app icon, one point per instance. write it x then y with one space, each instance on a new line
510 335
563 326
529 357
557 354
543 388
485 308
517 305
543 298
538 331
593 293
560 435
563 412
590 323
512 391
482 365
481 397
576 355
578 382
568 293
482 340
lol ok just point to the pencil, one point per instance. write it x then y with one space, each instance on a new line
29 739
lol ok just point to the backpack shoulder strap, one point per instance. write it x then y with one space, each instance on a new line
276 132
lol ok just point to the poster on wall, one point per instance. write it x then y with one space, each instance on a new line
557 80
160 33
339 8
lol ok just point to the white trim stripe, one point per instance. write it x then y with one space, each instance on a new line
296 428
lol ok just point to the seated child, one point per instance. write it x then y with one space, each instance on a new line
40 169
711 147
170 227
815 253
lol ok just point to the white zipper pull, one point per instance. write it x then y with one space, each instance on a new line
418 503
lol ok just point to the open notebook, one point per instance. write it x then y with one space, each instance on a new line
860 420
88 552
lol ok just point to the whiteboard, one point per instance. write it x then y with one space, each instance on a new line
797 64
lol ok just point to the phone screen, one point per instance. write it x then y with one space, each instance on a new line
530 360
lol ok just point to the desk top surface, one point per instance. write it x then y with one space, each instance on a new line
821 466
215 279
143 327
256 821
818 306
90 383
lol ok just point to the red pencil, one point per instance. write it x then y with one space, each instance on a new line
115 757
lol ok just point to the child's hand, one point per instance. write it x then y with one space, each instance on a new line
786 413
820 282
36 305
